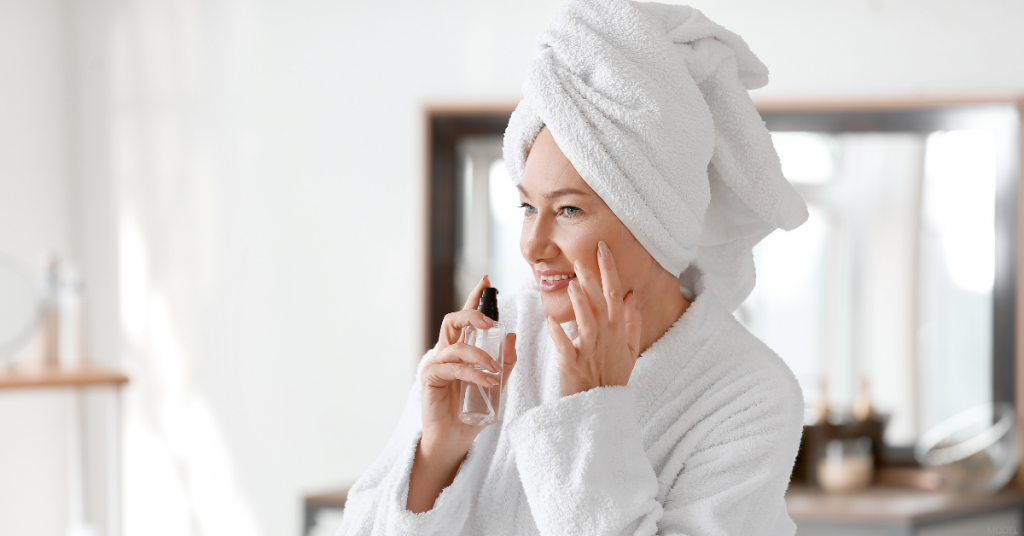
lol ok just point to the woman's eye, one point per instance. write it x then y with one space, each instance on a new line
570 211
529 209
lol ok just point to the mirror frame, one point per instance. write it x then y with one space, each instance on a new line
444 125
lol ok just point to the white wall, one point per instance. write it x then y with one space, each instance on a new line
881 48
35 214
250 178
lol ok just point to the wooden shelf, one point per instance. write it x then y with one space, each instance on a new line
331 499
885 505
42 377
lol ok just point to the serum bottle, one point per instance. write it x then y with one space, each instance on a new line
479 404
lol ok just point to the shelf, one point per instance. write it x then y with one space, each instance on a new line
884 505
42 377
331 499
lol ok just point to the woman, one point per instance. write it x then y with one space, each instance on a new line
637 404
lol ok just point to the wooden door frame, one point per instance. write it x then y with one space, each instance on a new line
443 125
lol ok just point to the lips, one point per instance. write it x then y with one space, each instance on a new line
553 280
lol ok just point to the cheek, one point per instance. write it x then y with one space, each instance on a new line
580 242
524 236
632 261
634 265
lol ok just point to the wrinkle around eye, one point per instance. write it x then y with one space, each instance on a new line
562 212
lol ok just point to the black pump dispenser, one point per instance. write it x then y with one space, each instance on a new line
489 303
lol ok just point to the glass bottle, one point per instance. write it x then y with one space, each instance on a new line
478 404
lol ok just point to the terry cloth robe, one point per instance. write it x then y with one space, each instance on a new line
700 442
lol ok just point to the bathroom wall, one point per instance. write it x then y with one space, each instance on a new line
35 216
244 181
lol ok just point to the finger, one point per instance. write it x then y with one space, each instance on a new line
585 320
474 297
454 323
592 288
461 352
610 283
562 342
442 374
510 358
633 324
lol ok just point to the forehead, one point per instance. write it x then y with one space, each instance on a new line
548 169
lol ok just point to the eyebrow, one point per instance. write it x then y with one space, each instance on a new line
555 193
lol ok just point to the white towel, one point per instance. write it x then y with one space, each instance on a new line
649 102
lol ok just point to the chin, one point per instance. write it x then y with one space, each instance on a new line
558 306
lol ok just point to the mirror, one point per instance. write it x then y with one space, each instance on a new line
19 307
905 273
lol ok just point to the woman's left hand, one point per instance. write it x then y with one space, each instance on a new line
608 324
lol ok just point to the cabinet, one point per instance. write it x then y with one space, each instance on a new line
896 511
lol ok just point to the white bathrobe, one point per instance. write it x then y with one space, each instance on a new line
701 442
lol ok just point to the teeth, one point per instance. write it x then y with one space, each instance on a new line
553 278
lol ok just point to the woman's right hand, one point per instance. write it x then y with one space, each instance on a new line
446 439
442 373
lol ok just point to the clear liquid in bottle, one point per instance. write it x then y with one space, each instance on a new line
479 404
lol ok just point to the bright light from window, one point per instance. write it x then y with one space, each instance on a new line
959 204
508 268
504 196
806 157
787 262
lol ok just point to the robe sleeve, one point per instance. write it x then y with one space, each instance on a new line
376 503
583 466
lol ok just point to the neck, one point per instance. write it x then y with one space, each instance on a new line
661 304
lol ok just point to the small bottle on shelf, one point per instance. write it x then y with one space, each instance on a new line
862 410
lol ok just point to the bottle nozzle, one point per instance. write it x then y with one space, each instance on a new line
489 303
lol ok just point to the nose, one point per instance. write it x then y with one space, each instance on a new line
537 241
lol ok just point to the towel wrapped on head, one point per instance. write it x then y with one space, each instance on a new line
649 102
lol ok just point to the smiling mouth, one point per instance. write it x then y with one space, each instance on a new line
553 278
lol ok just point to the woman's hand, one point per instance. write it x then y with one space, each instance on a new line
441 375
608 343
446 439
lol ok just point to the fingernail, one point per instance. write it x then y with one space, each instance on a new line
494 381
497 366
573 286
580 265
602 249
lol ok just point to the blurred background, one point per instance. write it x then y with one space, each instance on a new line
247 191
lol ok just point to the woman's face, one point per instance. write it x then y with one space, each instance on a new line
563 221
